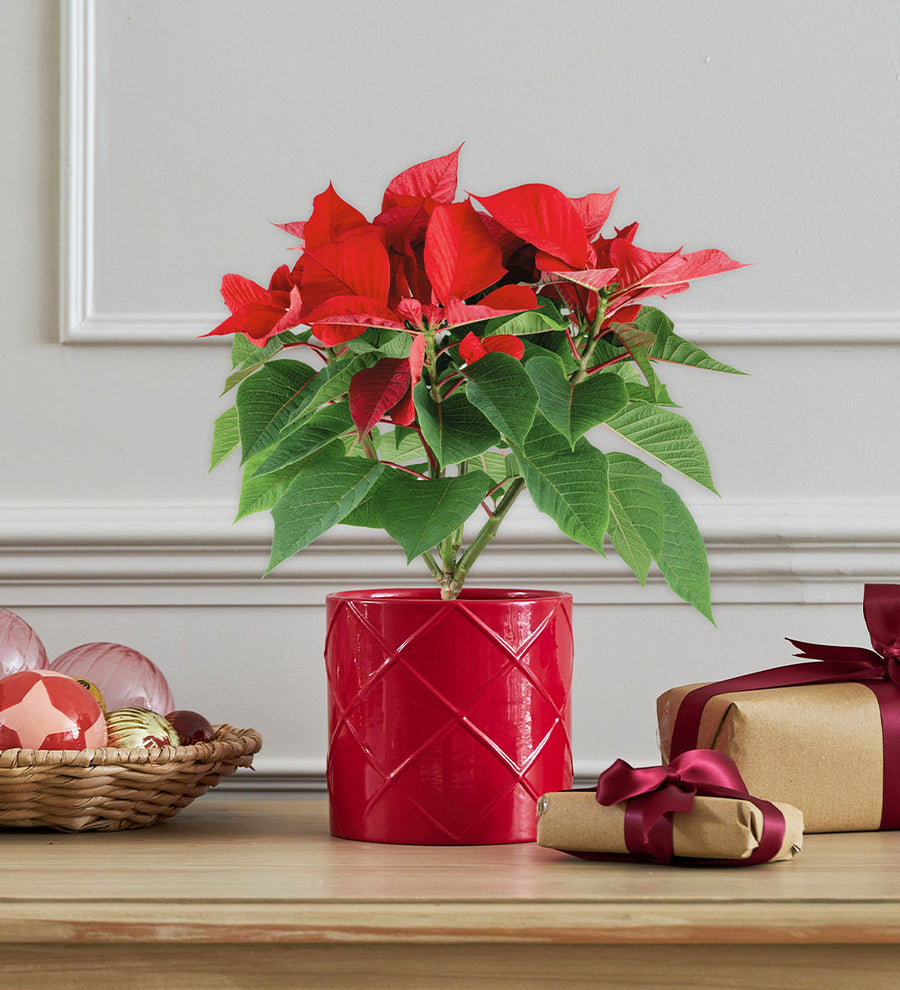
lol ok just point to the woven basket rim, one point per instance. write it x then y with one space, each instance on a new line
229 744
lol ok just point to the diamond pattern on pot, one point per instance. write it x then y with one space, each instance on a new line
439 737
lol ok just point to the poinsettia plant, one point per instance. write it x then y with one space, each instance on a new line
422 369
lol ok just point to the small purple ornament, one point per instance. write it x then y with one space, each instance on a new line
20 648
126 678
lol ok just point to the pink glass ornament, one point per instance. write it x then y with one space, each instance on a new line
126 678
20 648
42 709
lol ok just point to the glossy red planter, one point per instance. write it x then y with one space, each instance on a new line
447 719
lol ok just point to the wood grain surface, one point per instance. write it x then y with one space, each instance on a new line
261 891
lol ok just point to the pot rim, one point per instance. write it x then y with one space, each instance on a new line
506 596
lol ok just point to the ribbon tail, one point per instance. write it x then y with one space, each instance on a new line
881 610
821 651
648 821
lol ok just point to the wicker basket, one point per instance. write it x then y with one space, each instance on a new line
109 789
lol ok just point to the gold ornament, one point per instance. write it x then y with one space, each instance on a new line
139 728
94 690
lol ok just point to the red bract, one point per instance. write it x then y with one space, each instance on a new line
561 229
404 412
373 391
355 265
412 195
594 210
260 313
472 348
331 218
386 389
544 217
461 257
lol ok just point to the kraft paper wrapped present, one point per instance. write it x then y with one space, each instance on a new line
822 736
696 809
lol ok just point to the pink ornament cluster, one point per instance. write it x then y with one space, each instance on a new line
42 707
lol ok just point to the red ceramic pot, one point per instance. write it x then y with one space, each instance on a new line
447 719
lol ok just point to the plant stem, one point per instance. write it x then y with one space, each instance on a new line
487 532
431 364
458 535
444 574
369 447
432 565
592 338
406 470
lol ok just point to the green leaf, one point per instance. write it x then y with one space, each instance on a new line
666 436
530 322
682 556
574 409
638 343
454 429
554 342
668 346
323 427
330 383
384 343
495 465
246 358
259 494
366 514
252 363
266 402
419 514
401 445
226 437
322 494
499 386
635 512
242 350
637 390
570 486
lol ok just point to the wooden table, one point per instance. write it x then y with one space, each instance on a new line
256 894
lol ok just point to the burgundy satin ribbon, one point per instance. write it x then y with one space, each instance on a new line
653 794
878 669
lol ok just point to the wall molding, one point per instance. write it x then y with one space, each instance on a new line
82 323
171 554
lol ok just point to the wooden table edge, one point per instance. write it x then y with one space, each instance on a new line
365 922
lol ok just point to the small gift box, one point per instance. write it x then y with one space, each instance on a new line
823 736
696 809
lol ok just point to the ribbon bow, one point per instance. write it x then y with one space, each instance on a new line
654 794
881 610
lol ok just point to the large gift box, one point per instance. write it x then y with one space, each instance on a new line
697 809
823 736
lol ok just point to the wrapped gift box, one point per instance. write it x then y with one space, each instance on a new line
715 828
823 736
697 808
815 746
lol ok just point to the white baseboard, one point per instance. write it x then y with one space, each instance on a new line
310 783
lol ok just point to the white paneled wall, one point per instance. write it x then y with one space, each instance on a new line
149 144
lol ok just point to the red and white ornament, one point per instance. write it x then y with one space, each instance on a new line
41 709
